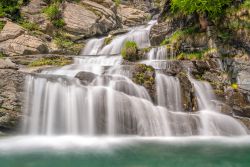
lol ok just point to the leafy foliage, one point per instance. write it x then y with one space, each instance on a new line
53 12
11 8
212 7
130 51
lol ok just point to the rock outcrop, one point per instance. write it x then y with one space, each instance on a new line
11 88
131 16
14 41
88 18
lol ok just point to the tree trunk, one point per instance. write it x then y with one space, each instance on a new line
203 20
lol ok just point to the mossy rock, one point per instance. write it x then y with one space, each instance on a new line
130 51
145 75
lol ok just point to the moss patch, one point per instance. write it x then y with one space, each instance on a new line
53 61
63 41
145 75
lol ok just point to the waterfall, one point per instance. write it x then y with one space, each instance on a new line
108 102
168 92
213 122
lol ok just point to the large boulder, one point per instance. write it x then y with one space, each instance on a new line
10 31
131 16
88 18
23 45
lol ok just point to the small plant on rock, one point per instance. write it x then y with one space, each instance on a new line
130 51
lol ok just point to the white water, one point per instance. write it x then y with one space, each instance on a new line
111 104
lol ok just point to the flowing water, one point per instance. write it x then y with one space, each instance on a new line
91 113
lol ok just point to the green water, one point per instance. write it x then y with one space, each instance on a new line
138 153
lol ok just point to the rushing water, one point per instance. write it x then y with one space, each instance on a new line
109 103
105 119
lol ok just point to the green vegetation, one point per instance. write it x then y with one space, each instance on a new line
190 56
53 61
224 36
130 51
179 34
11 8
117 2
213 8
63 41
2 24
198 55
144 75
235 86
53 12
108 40
29 25
2 55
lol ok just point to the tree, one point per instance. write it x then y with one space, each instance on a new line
10 8
204 8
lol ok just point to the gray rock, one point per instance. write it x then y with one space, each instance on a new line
86 77
10 31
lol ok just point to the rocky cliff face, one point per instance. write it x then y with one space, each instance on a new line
222 53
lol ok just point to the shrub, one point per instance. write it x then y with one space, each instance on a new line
10 9
53 11
213 8
130 51
58 23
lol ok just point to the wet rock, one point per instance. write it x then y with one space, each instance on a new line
239 101
189 100
145 75
86 77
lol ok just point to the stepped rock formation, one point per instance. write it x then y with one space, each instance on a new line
141 91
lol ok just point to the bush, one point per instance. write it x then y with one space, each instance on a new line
10 9
53 12
58 23
213 8
130 51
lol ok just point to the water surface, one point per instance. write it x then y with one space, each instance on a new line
70 151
